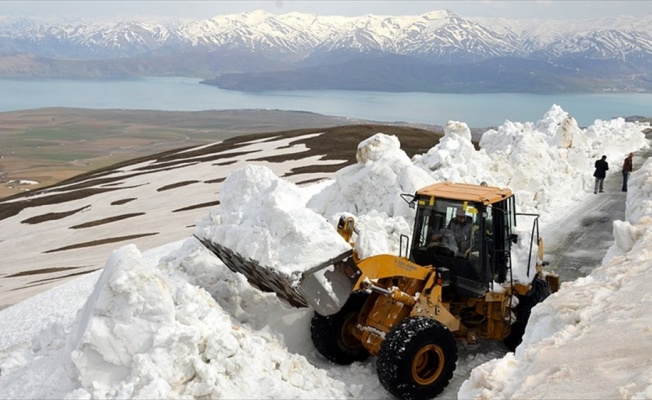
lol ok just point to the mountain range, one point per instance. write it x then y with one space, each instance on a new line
438 51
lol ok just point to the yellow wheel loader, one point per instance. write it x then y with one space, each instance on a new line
451 281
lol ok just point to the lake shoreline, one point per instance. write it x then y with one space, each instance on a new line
188 94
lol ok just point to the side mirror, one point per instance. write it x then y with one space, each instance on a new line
514 238
410 199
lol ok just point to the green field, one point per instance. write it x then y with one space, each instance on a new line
53 144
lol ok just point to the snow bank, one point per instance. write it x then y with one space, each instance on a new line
152 332
455 158
548 164
370 191
375 183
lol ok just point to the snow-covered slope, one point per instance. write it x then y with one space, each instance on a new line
67 230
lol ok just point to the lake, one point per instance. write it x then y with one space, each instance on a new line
187 94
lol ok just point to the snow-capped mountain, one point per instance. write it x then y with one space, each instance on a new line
608 44
442 36
289 41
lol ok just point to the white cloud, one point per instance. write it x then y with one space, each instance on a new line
208 9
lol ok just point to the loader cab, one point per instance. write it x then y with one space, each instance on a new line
465 231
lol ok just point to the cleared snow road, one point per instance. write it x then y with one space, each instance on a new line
576 252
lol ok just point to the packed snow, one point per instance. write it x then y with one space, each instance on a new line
174 322
264 218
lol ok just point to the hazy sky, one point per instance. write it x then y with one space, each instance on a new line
560 9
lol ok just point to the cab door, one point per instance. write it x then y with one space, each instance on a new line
500 223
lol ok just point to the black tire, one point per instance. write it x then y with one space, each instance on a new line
417 359
539 291
332 335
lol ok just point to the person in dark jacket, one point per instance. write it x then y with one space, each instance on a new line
601 167
627 168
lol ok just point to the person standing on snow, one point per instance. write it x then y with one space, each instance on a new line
601 167
627 168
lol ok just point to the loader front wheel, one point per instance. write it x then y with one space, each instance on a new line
417 359
332 335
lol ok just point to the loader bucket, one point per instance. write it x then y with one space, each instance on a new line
322 288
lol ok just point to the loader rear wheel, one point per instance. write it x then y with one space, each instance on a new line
417 359
332 335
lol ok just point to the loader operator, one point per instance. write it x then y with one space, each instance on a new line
462 226
458 231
